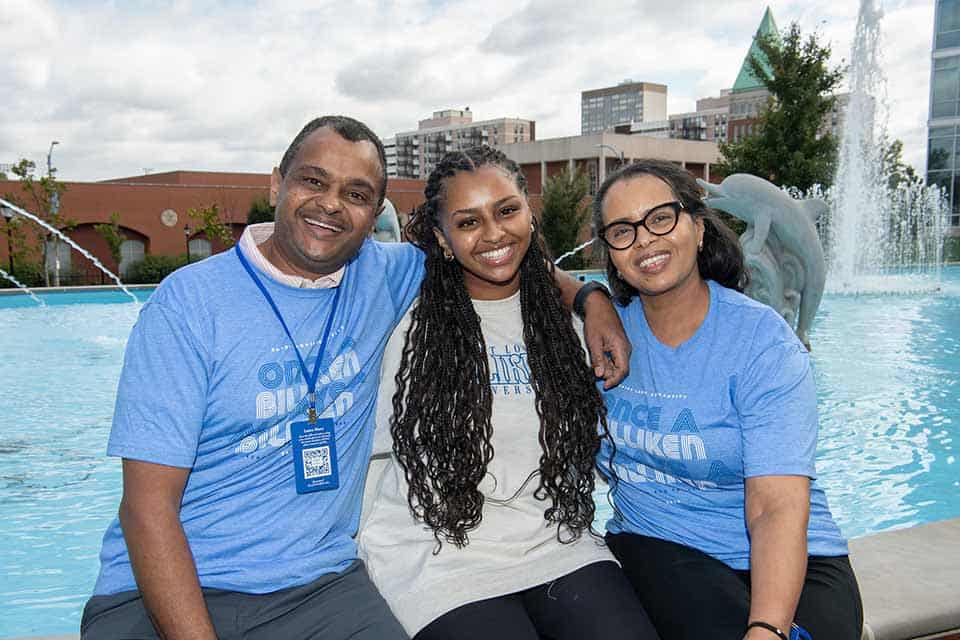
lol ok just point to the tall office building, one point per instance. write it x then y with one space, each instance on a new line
943 145
414 154
603 109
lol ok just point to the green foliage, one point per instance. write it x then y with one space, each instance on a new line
260 211
112 234
564 213
14 230
951 249
29 273
44 196
788 148
736 224
153 269
207 221
892 164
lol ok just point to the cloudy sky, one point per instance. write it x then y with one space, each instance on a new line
131 85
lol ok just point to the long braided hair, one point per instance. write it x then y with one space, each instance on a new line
441 410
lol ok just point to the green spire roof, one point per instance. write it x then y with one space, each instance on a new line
746 81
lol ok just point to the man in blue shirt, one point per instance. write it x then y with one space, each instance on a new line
217 535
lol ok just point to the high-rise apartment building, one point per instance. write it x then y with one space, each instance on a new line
414 154
943 142
603 109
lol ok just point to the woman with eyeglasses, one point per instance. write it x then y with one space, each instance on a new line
718 522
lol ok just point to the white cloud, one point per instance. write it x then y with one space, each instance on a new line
225 86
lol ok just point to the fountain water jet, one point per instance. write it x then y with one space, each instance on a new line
879 237
574 250
65 238
22 286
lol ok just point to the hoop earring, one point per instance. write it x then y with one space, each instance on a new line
447 256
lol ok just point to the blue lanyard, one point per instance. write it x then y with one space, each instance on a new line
311 378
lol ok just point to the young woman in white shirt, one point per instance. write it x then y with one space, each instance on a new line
479 526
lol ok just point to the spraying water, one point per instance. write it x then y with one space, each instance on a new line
22 286
574 250
880 236
84 252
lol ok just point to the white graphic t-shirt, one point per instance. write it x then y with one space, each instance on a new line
513 548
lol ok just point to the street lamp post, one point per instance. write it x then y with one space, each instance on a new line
619 153
602 168
54 210
186 239
49 154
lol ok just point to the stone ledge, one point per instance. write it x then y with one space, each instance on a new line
908 581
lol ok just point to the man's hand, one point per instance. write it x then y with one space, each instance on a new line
608 344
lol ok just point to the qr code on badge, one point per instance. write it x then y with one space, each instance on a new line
316 463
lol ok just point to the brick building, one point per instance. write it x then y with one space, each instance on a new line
153 215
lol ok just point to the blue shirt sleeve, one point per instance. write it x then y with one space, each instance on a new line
405 271
162 393
777 403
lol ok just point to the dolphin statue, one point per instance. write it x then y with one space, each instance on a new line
780 231
387 226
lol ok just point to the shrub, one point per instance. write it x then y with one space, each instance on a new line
153 269
29 274
951 249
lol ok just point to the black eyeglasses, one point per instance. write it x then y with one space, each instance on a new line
659 221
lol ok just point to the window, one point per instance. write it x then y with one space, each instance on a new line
53 248
200 248
130 251
948 24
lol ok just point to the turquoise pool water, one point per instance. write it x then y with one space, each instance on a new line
887 367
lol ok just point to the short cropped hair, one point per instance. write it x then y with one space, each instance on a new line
348 129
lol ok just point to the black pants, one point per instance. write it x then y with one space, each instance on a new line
593 602
690 595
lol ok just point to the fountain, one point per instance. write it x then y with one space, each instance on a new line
22 287
574 251
65 238
878 236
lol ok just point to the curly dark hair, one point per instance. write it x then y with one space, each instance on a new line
441 410
721 258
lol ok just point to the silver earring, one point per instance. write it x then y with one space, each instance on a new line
447 256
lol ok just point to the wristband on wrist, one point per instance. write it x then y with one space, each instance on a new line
580 299
769 627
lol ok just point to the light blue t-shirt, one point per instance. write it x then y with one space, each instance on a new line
210 382
690 423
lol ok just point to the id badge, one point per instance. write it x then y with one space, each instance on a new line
315 456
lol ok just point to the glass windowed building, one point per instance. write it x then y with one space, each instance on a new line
628 102
943 166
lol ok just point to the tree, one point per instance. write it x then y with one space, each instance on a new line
114 237
260 211
897 171
789 147
208 222
564 213
45 196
